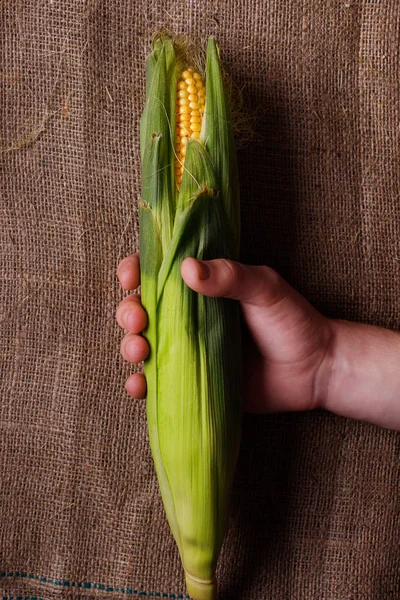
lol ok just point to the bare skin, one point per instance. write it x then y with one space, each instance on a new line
294 358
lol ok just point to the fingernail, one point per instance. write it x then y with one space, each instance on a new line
204 271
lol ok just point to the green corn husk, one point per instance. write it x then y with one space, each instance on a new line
194 368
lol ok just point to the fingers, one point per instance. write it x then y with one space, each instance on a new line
258 286
136 386
128 272
131 315
134 348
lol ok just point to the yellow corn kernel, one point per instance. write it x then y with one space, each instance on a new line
184 109
195 127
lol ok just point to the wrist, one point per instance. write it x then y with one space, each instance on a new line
360 375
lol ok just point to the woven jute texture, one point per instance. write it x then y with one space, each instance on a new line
315 512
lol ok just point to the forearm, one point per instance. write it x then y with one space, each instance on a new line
363 374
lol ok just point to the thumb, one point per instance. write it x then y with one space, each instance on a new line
253 285
281 322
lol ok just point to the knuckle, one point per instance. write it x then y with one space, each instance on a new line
121 316
271 276
129 303
125 341
273 287
118 314
232 270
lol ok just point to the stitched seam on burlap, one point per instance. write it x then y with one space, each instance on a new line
84 585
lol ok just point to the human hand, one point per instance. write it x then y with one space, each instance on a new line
285 338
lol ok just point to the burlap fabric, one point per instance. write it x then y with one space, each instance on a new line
315 510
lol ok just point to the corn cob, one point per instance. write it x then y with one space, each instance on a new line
190 110
190 207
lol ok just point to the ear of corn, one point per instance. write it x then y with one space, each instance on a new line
193 370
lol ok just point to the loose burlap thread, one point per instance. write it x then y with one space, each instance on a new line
315 507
